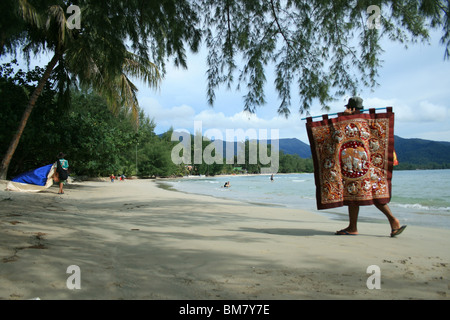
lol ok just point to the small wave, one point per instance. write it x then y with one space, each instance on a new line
418 206
296 180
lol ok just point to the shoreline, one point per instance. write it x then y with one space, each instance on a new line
163 185
368 214
134 240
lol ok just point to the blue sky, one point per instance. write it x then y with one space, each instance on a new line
415 81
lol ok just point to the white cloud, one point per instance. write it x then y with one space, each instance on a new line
428 111
436 136
403 112
243 120
184 117
166 117
412 111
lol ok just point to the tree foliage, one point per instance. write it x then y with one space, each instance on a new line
97 142
96 56
40 139
293 163
320 48
323 48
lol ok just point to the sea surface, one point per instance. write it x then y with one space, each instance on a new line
419 197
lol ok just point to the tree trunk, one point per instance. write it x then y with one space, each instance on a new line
31 103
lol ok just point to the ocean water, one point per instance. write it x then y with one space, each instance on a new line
419 197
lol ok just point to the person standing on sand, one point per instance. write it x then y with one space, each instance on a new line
62 167
354 105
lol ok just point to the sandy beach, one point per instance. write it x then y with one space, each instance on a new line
134 240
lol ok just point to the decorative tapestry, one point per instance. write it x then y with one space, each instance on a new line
353 158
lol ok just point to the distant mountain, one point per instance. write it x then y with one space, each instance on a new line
415 152
421 152
411 153
295 146
287 145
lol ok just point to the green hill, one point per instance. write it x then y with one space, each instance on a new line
411 153
422 154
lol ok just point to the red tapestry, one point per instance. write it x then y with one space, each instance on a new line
353 158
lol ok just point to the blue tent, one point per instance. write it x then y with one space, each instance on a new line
34 180
37 176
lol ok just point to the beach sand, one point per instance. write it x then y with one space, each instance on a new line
134 240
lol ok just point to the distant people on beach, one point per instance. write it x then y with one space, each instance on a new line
271 177
112 177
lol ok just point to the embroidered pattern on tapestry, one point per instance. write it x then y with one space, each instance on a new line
352 159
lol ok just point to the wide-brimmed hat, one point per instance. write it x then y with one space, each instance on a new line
355 103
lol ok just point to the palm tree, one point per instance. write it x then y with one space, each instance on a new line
80 55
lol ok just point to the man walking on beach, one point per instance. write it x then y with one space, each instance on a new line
354 106
62 166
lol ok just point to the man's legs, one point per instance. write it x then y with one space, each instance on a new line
353 211
393 221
